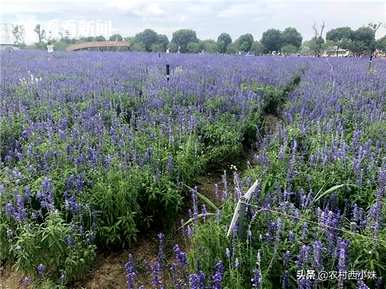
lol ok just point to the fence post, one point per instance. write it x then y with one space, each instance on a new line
240 213
167 72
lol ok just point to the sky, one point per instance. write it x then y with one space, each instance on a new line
208 18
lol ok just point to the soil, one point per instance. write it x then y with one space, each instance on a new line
10 279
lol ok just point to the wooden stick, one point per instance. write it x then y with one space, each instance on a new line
243 199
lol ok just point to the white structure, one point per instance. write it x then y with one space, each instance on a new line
50 48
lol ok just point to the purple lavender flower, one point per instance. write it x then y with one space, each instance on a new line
69 241
9 209
317 252
18 212
256 280
216 192
302 257
204 212
2 189
286 258
285 280
291 236
173 272
41 269
156 276
218 275
342 247
225 184
70 203
45 196
169 165
130 273
161 254
362 285
305 284
197 281
304 231
26 281
180 256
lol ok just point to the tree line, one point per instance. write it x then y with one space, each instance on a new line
289 41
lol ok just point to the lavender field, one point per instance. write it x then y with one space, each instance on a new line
98 150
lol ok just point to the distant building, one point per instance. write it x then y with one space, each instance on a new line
380 53
335 51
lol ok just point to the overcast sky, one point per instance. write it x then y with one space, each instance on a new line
207 17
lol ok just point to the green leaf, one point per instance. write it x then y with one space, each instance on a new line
207 201
330 190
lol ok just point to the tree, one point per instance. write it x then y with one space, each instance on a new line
233 48
289 49
272 40
18 33
381 44
290 36
41 34
363 41
316 45
116 37
172 47
341 37
146 39
100 38
317 42
209 46
245 42
306 48
193 47
138 46
257 48
183 37
223 41
162 42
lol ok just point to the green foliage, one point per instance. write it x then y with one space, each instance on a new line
209 46
233 48
221 139
290 36
223 41
257 48
209 241
316 45
363 41
381 44
289 49
11 130
5 253
46 244
193 47
272 40
100 38
116 37
181 38
149 40
360 41
341 36
245 42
